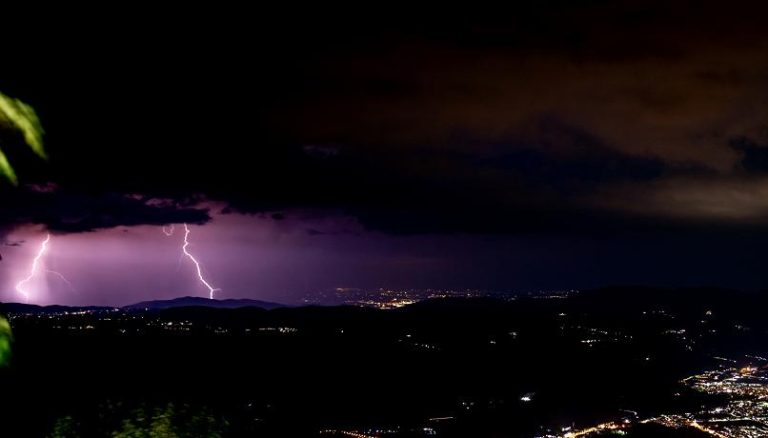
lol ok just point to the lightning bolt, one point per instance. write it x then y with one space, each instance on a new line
169 232
62 278
20 286
35 262
211 289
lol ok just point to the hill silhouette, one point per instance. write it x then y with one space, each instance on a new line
202 302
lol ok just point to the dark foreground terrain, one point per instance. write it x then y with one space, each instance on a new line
451 368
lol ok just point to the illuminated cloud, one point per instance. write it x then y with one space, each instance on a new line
730 201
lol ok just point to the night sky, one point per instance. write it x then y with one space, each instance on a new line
550 145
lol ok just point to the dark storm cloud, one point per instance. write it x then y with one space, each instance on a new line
569 158
552 144
549 116
755 156
321 151
77 212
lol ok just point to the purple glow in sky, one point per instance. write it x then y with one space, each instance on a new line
284 260
242 255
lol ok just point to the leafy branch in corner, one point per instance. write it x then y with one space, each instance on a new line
17 115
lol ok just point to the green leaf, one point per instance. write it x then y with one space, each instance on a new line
22 117
5 341
7 170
